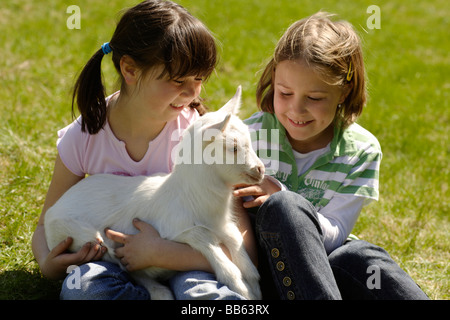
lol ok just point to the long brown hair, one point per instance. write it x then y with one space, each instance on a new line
152 33
333 49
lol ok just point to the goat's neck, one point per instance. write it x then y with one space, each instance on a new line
207 195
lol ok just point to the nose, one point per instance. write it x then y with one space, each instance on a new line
299 106
261 169
192 89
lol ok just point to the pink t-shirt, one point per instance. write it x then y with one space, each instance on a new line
83 153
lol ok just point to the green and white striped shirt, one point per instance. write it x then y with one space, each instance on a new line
344 176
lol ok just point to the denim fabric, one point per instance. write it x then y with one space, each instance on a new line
292 262
291 238
356 265
293 253
199 285
103 280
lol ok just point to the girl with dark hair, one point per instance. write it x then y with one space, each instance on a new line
162 55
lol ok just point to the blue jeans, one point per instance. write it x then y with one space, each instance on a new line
103 280
294 263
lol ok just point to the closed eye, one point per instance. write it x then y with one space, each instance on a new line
315 99
181 81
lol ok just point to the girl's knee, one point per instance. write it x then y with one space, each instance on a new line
199 285
77 282
283 199
360 255
284 209
100 280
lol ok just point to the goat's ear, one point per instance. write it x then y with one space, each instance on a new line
234 104
222 125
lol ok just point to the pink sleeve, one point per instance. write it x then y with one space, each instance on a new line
70 147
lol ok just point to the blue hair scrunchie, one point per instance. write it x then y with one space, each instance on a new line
106 48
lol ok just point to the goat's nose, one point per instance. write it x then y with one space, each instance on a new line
261 169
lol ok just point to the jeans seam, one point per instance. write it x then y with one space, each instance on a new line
271 240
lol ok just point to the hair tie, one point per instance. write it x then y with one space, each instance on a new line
106 48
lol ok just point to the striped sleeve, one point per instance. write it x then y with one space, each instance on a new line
363 177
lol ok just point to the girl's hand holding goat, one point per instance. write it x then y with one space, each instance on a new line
141 250
259 192
59 259
147 249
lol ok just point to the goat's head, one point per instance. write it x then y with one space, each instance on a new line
222 140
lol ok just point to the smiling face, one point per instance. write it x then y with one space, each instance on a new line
155 97
167 97
305 105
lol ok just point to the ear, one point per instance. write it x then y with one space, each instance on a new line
129 69
221 126
234 104
345 92
225 122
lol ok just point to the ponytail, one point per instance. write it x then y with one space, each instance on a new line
89 94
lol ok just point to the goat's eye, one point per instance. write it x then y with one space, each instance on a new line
234 147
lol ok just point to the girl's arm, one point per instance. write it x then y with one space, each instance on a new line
54 263
338 218
147 248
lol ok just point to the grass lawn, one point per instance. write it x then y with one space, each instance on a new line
407 62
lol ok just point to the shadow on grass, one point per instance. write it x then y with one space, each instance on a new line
27 285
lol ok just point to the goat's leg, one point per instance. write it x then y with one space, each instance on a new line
232 239
226 272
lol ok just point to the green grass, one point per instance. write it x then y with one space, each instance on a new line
407 64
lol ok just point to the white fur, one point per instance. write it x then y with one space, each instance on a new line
193 204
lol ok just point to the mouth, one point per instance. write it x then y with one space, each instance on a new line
300 124
177 106
254 178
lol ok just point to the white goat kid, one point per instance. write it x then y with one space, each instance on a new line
193 204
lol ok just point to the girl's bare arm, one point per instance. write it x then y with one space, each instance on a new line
54 263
